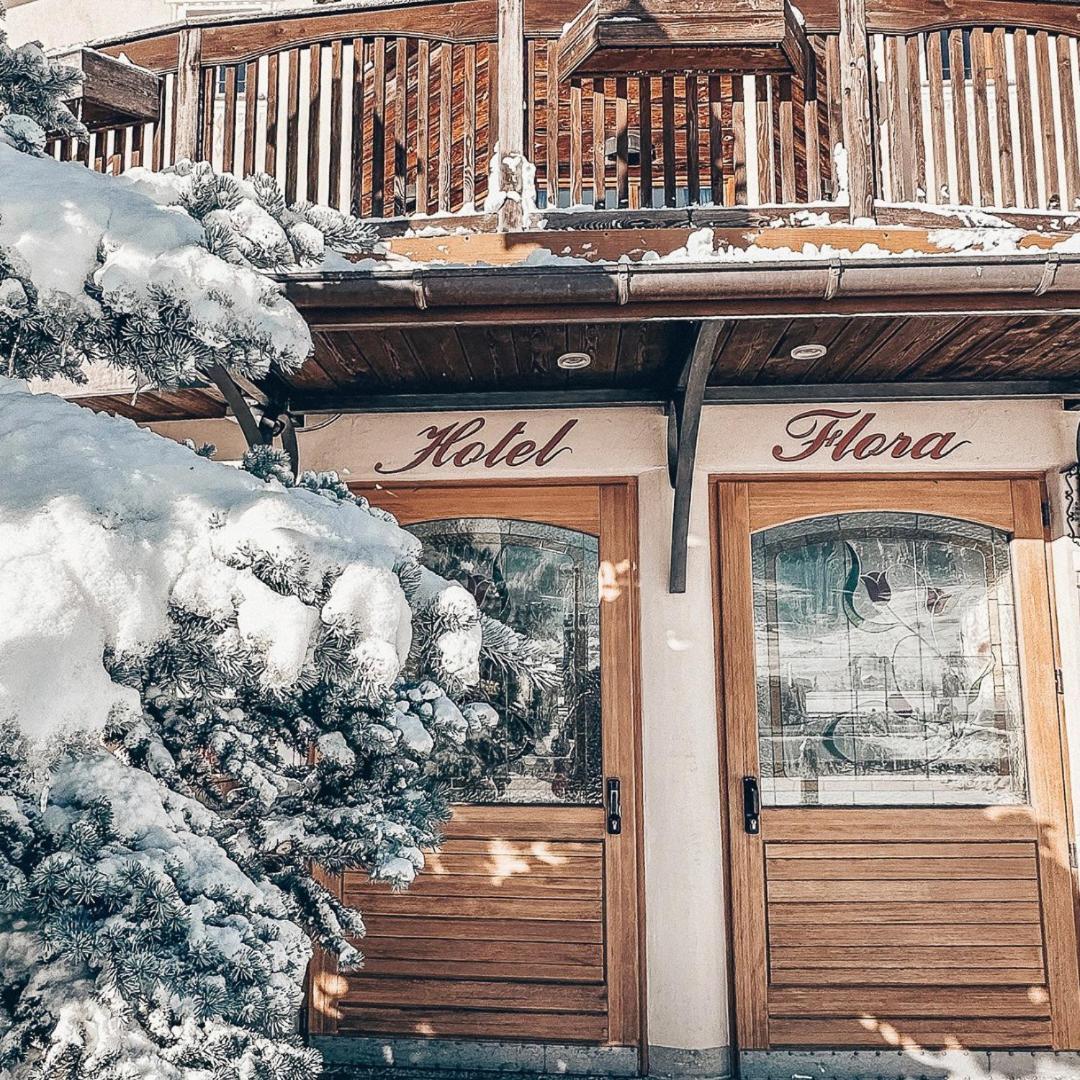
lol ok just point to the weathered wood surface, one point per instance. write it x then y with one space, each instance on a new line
964 107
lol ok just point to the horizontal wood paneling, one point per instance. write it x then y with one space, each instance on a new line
869 1032
876 976
898 958
886 910
495 933
888 1003
470 1023
873 892
872 932
889 932
474 994
961 867
494 929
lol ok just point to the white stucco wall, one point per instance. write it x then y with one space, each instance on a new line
684 872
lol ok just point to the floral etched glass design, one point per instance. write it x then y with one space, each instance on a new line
887 663
541 580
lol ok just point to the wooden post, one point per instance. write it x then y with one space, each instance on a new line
855 107
188 83
511 121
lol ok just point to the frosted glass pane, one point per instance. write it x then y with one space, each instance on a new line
541 580
887 664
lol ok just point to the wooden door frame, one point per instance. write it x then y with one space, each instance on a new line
1038 629
615 520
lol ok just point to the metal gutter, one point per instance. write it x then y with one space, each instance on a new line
893 285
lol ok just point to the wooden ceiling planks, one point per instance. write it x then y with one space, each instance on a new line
646 357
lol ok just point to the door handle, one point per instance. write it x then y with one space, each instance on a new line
614 806
751 805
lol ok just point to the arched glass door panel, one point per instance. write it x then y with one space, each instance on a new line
887 663
540 580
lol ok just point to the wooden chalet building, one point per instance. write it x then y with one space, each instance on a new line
745 387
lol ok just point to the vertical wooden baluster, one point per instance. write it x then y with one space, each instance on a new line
738 132
468 127
1025 115
446 131
889 107
206 147
645 159
1003 110
551 89
532 99
599 144
336 123
157 151
138 135
378 131
857 108
1046 116
961 137
981 97
667 124
423 130
273 80
576 145
787 140
292 127
622 144
358 149
492 94
118 158
716 140
935 77
251 114
766 172
833 111
693 144
1068 122
314 126
82 152
228 140
186 94
914 49
401 126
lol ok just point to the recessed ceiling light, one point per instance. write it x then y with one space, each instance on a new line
574 361
810 351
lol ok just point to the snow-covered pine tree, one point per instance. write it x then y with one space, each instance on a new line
212 675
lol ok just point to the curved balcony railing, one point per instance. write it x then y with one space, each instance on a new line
390 112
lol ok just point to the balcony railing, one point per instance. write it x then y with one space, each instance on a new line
393 112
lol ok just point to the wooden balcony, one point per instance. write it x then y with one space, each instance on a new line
393 112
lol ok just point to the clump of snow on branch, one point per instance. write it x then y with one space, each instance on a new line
33 92
126 531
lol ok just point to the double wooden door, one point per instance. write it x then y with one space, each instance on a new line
525 924
896 802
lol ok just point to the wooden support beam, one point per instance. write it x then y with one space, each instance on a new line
684 418
855 107
260 425
511 114
188 80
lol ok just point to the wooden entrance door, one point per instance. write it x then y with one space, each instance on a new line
525 925
890 701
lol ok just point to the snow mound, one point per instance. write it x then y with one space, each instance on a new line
107 530
70 225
